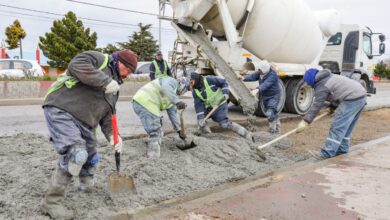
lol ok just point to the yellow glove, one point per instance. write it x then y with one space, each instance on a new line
302 126
254 92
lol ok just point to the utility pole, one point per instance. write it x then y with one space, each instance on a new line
160 6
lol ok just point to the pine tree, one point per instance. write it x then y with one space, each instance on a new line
109 49
380 69
15 33
67 38
142 43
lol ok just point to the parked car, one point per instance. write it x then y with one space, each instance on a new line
143 68
17 68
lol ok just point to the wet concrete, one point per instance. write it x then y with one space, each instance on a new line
27 161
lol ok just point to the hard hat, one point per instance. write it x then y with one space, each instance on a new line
184 86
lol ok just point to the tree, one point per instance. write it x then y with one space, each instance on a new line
109 49
382 70
15 33
142 43
67 38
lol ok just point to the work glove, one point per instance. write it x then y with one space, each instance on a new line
302 126
226 96
112 87
239 77
182 135
201 123
254 92
118 146
181 105
331 110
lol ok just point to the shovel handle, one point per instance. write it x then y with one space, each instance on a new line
288 133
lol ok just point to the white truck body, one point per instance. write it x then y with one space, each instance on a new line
285 32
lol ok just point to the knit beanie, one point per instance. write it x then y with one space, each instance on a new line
128 58
310 76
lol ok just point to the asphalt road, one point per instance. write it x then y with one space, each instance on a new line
30 118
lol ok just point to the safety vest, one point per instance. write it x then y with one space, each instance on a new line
152 97
70 81
212 98
157 71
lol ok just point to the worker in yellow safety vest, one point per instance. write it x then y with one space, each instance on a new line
159 67
149 101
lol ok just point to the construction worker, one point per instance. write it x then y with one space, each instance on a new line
210 92
159 67
159 95
269 91
75 105
347 98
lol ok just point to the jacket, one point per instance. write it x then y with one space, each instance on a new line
268 87
215 83
86 100
335 89
161 65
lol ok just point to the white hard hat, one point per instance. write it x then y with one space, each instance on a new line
264 66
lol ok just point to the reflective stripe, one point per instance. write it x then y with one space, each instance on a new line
346 138
158 73
333 140
200 113
70 81
212 98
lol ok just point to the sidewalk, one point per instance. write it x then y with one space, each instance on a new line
352 186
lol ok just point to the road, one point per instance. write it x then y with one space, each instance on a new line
30 118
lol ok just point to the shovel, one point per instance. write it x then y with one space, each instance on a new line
188 142
259 148
117 182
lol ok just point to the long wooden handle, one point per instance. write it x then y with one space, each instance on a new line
182 121
210 113
289 133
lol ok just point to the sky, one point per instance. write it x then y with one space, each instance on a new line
372 13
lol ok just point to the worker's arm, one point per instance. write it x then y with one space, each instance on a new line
321 94
152 72
268 83
199 107
169 85
85 67
252 77
220 83
174 118
168 70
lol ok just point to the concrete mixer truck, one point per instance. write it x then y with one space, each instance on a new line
220 37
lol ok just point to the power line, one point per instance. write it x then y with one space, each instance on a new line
89 19
119 9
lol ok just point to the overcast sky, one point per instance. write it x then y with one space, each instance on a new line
372 13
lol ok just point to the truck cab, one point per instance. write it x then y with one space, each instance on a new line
350 53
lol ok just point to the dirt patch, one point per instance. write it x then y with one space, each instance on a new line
27 161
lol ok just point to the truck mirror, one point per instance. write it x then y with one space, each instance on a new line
382 48
382 37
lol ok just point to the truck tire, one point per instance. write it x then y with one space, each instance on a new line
299 97
363 83
286 82
261 109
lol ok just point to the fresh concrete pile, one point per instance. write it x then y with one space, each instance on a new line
27 161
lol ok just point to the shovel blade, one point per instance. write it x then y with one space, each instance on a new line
120 184
186 144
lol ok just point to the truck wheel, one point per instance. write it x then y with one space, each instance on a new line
261 109
286 82
299 96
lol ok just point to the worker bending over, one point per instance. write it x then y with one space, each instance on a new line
347 98
74 106
213 92
151 99
269 91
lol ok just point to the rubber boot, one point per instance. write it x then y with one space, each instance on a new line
241 131
52 202
278 126
272 127
153 148
86 183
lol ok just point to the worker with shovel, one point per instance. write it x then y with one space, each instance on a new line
210 99
269 91
150 100
74 106
347 98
